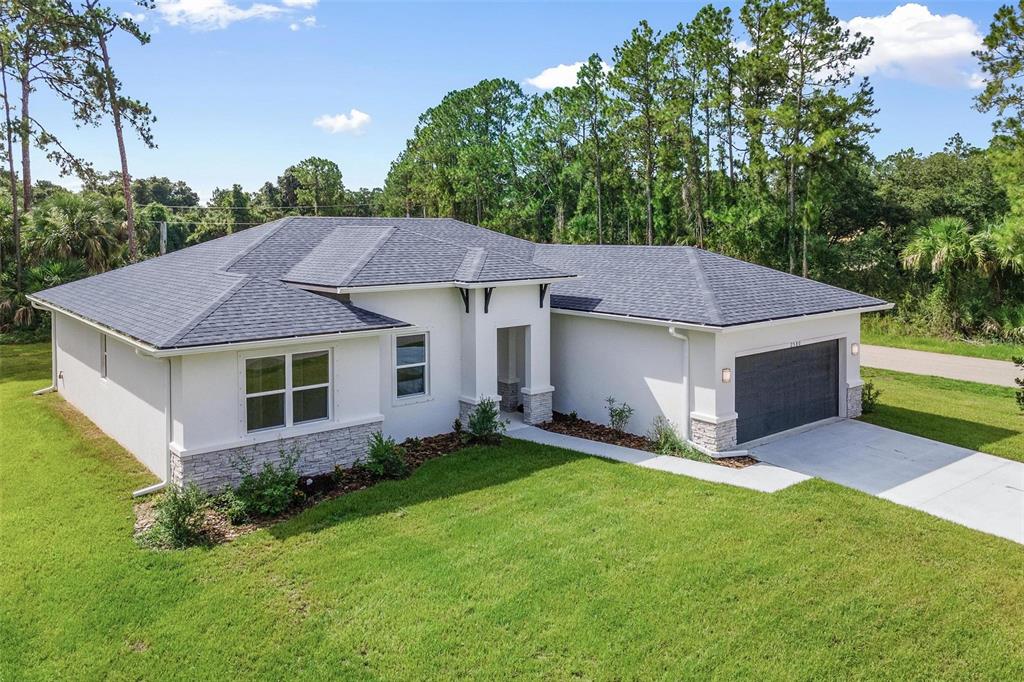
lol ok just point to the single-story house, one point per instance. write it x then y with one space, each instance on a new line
309 334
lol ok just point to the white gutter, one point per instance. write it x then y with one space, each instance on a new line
720 329
53 359
168 436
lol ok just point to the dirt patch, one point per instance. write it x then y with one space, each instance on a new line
310 491
581 428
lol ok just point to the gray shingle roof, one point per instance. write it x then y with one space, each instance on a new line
685 284
242 287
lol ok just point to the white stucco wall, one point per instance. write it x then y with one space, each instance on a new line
463 349
729 345
210 413
436 312
128 405
640 364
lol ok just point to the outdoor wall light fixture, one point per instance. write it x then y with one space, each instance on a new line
726 375
855 349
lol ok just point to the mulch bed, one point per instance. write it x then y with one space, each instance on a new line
581 428
311 491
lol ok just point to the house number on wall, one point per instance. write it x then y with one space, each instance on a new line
794 344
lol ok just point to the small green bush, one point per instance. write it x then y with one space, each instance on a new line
618 415
485 425
666 439
231 506
457 427
386 458
179 518
270 491
869 397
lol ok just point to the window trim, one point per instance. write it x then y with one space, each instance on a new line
425 365
104 357
288 391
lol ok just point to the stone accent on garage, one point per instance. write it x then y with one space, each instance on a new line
537 407
509 392
854 404
713 437
319 453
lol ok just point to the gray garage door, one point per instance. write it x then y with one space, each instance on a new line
786 388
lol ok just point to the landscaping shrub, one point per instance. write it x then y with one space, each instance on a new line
270 491
618 415
869 397
179 518
666 439
231 506
457 426
485 423
386 458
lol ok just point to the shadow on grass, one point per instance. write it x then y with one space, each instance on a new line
461 472
966 434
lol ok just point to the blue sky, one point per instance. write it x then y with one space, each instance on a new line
237 85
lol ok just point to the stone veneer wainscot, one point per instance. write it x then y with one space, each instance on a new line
713 437
319 453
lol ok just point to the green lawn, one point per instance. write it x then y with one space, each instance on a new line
521 561
977 416
878 334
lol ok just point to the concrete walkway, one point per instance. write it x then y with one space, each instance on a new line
762 477
973 489
961 367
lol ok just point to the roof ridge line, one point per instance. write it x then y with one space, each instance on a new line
473 263
364 260
195 320
705 286
270 233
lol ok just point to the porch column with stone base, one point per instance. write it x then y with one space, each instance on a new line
537 405
467 405
713 435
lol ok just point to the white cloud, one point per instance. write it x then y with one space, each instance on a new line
913 44
561 76
352 122
302 4
209 15
308 22
137 17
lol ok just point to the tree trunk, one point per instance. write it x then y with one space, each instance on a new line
597 187
25 135
126 179
15 217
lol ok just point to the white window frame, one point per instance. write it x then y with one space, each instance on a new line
104 356
425 365
288 391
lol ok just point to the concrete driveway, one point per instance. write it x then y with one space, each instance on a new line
973 489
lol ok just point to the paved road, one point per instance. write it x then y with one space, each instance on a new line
973 489
984 371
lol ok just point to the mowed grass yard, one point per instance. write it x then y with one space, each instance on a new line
977 416
519 560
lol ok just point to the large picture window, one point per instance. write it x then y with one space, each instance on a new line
282 390
411 365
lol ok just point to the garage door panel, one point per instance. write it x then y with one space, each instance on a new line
786 388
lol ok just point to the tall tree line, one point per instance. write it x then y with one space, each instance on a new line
688 136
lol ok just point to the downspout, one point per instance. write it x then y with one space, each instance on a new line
167 440
53 359
682 336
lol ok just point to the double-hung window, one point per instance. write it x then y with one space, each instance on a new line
287 389
411 365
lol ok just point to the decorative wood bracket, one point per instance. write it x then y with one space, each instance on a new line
543 290
487 298
464 293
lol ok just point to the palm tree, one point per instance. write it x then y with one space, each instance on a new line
75 225
948 247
